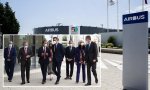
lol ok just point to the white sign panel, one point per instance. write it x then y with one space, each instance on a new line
135 51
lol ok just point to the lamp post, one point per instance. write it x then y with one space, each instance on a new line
102 26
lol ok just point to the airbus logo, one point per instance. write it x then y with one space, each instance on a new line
134 18
139 17
52 30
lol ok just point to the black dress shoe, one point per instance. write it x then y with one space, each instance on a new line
56 82
43 82
28 81
66 78
88 84
96 81
70 78
77 82
83 81
10 81
22 83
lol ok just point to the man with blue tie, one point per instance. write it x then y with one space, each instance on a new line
24 56
58 55
44 54
70 58
91 52
10 60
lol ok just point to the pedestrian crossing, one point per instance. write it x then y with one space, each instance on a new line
117 64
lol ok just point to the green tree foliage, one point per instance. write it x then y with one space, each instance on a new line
8 21
112 40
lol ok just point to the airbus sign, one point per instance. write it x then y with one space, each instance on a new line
135 51
135 18
51 30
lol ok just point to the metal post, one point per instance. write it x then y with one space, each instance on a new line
117 16
142 5
129 6
107 17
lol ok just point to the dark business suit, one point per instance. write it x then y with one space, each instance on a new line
25 63
80 65
10 60
90 55
58 55
69 54
44 60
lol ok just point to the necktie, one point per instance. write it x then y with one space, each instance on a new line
9 52
88 46
70 49
55 47
45 49
44 52
25 50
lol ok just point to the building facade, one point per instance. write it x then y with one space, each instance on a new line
71 30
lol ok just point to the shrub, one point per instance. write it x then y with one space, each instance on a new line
112 40
103 45
109 45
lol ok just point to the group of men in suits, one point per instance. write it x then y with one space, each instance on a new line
73 55
82 55
24 57
58 55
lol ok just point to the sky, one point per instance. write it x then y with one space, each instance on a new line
38 13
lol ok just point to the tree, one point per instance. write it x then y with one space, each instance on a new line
1 14
10 25
112 40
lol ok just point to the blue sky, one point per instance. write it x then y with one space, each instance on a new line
39 13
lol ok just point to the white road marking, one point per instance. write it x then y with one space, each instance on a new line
103 66
119 64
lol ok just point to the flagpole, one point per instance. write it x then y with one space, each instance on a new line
129 6
142 5
117 16
107 18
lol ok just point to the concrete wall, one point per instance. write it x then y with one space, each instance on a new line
117 35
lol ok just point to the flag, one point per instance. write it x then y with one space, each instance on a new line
111 2
146 2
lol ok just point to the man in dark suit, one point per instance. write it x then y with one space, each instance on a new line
91 59
24 56
44 54
10 60
58 55
70 56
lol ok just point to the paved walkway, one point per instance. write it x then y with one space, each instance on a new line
36 78
111 67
